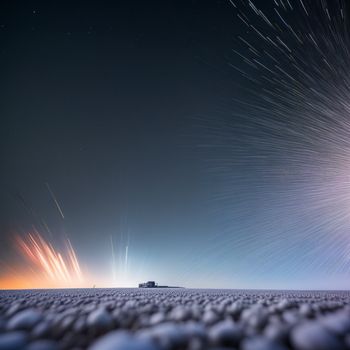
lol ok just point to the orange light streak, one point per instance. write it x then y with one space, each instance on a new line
49 261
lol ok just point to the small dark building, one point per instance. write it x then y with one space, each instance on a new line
152 284
149 284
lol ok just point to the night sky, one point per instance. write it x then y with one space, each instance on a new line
199 144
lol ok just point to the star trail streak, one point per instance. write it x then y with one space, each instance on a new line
287 139
57 267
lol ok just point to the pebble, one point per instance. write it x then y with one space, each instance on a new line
121 340
313 336
41 329
276 331
25 319
169 334
2 325
100 319
14 308
225 333
291 317
347 341
195 330
338 323
156 318
256 316
179 314
42 345
305 310
284 304
13 341
261 343
210 317
235 309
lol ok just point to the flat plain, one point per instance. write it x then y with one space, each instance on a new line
156 319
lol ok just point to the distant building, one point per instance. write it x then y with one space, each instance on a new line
149 284
152 284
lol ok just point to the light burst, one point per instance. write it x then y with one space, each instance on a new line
283 158
50 262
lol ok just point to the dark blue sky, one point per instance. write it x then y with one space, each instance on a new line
128 112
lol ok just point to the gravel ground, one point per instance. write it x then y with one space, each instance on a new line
156 319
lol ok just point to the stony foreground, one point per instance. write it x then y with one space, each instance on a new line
155 319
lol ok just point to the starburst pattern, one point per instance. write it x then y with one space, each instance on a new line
56 267
283 157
